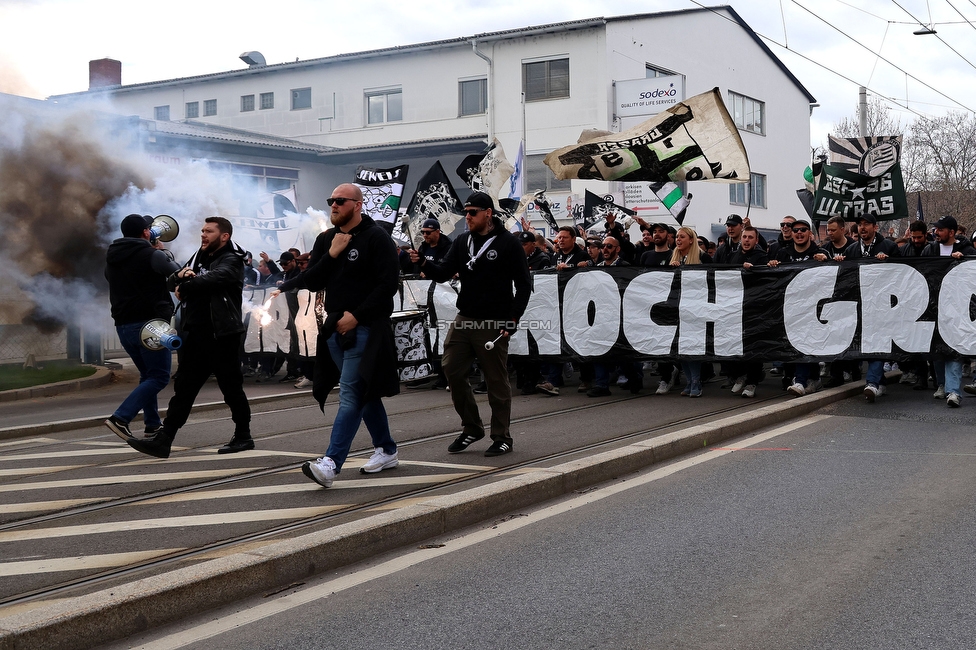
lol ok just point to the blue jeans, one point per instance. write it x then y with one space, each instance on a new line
875 376
154 368
352 411
948 373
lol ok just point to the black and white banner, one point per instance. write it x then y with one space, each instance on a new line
803 312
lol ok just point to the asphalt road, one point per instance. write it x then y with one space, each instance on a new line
851 528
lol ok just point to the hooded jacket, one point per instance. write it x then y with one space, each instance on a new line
136 274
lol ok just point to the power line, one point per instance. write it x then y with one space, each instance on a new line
936 35
968 22
817 63
899 68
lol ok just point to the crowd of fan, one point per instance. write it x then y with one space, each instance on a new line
664 245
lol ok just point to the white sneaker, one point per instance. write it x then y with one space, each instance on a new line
952 400
871 392
739 384
749 391
304 382
379 461
621 380
796 389
887 367
813 385
940 393
321 470
663 388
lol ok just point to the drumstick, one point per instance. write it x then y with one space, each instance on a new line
490 345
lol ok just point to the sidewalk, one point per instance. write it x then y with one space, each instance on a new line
91 400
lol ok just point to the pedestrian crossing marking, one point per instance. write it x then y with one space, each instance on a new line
212 519
305 486
116 480
33 471
43 506
81 563
72 453
30 441
212 455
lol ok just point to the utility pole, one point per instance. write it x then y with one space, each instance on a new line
862 110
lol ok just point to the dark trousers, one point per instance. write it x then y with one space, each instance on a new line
465 343
201 356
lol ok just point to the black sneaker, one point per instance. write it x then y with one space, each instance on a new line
481 389
418 383
118 427
237 443
498 448
158 446
462 442
287 378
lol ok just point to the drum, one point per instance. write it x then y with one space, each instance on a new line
412 344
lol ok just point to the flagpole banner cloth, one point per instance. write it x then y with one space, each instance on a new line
798 313
487 172
850 195
434 198
382 191
868 156
693 140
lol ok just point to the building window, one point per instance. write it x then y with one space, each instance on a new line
538 176
209 107
267 101
192 110
748 114
384 106
473 97
545 79
247 103
756 188
161 113
652 71
301 98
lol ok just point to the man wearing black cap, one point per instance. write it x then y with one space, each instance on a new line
871 245
435 246
489 261
948 371
660 253
534 257
209 287
136 274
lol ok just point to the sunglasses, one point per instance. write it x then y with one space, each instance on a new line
427 232
340 201
473 211
786 224
610 246
801 230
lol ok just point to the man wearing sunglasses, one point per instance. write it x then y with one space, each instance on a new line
785 238
435 246
489 261
356 264
806 376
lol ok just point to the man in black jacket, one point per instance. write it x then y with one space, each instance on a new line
136 274
489 260
356 264
210 287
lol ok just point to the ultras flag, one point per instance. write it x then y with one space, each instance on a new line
596 208
382 191
487 172
434 198
693 140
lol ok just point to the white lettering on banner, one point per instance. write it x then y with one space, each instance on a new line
829 332
956 326
543 303
695 312
598 289
893 298
640 296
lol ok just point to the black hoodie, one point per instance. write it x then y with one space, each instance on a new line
136 274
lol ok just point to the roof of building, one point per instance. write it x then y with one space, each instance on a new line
225 134
430 45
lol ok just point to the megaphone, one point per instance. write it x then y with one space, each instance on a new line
163 228
158 334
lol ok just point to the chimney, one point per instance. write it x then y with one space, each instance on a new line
103 73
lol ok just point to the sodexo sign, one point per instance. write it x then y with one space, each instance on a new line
647 96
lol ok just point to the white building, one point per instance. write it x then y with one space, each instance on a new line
385 107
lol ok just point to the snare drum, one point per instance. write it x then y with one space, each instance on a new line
412 344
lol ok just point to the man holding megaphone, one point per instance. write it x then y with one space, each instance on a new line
136 272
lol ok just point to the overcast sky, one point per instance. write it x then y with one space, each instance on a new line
45 45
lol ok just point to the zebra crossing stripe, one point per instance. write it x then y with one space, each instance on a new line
85 563
116 480
212 519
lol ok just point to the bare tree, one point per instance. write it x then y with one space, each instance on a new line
879 122
944 156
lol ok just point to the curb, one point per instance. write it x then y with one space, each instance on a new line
121 611
101 377
9 433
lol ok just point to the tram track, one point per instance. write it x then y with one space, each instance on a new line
94 580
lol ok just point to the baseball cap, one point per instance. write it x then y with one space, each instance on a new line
947 222
432 224
870 218
479 200
733 220
526 237
286 257
134 225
